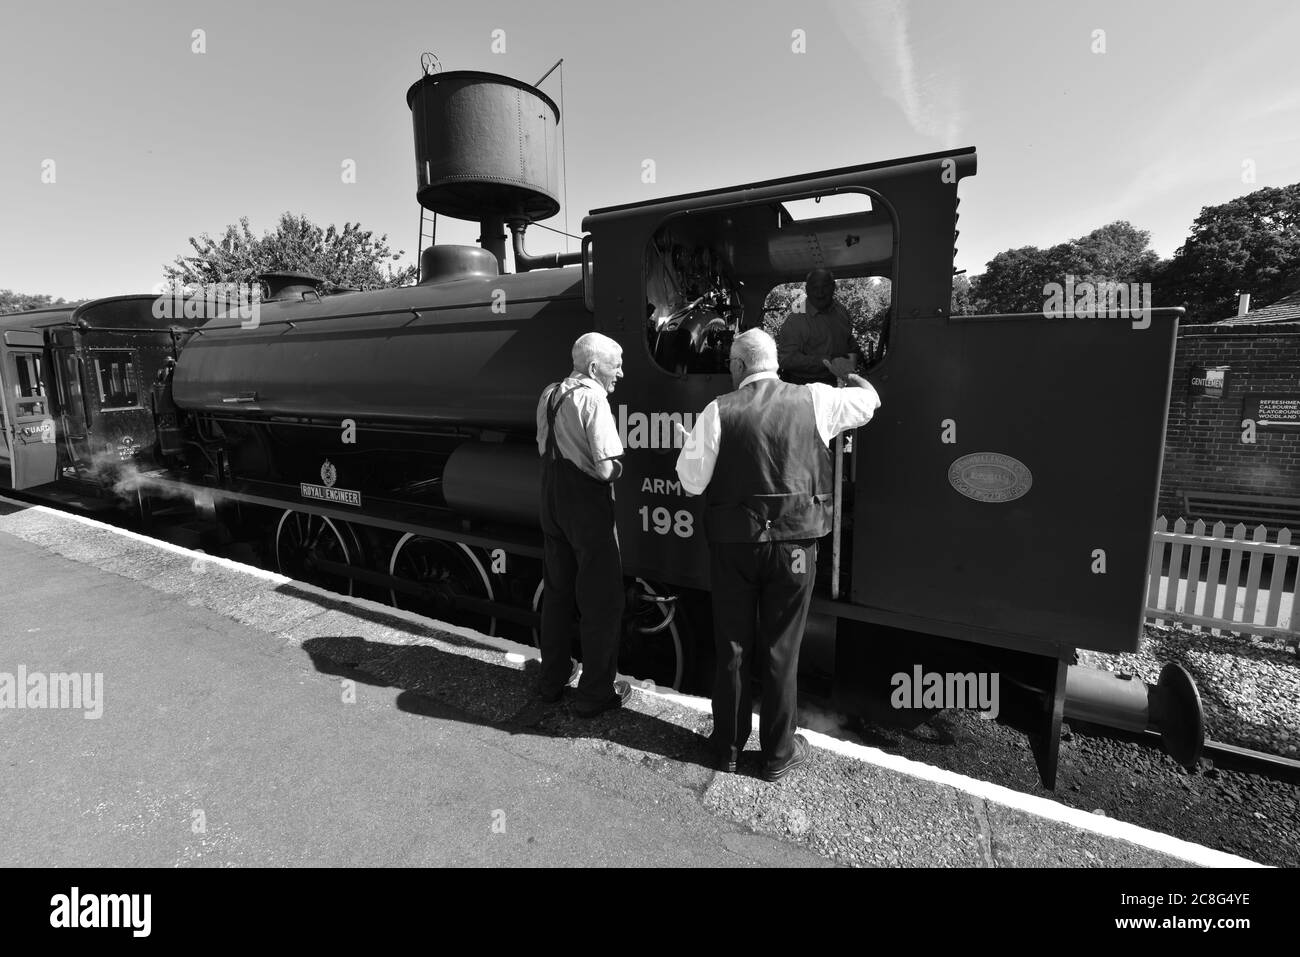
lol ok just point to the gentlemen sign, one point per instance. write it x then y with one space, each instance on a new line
1209 380
1273 412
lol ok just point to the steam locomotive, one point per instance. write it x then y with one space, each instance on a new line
999 506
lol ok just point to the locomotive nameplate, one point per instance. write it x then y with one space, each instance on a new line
990 477
327 492
340 496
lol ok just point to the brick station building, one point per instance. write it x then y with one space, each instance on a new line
1243 368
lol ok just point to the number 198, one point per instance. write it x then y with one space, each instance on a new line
682 524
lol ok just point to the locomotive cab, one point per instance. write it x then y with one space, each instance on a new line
1004 494
681 277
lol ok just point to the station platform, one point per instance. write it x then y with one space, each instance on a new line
234 717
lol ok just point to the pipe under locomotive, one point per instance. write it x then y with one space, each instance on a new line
997 512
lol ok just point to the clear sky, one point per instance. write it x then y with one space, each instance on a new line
153 143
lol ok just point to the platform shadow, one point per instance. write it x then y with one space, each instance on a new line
472 688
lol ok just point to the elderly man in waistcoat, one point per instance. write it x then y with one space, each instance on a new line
761 455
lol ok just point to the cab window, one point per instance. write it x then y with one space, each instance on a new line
712 274
866 300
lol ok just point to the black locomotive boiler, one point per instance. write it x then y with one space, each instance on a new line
998 510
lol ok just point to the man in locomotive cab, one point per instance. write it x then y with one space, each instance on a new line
821 332
583 570
761 455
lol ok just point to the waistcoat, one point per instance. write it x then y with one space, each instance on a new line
773 478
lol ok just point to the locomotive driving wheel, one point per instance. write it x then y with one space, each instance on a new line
450 570
302 537
653 645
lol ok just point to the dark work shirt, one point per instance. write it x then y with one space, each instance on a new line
809 337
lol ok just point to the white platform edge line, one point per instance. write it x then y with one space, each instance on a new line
491 641
1017 800
156 543
1028 803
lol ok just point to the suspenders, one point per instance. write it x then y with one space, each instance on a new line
552 410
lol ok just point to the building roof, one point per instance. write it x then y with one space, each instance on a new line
1286 309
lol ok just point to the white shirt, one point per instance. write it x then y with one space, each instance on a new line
836 411
585 431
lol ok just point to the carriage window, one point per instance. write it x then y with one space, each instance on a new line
29 386
72 379
115 373
711 274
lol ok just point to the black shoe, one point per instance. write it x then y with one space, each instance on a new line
622 691
552 697
800 755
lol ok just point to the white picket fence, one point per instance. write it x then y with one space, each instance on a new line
1215 598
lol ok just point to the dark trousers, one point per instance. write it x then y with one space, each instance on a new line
583 576
761 594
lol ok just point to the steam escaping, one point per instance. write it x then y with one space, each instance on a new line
126 478
824 721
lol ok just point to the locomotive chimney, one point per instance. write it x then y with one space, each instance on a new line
492 237
485 152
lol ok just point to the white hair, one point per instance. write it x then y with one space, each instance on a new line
592 346
756 349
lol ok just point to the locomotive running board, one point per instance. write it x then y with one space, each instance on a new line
399 519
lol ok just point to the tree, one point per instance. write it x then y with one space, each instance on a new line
1013 280
963 302
1114 253
350 257
1249 244
11 301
